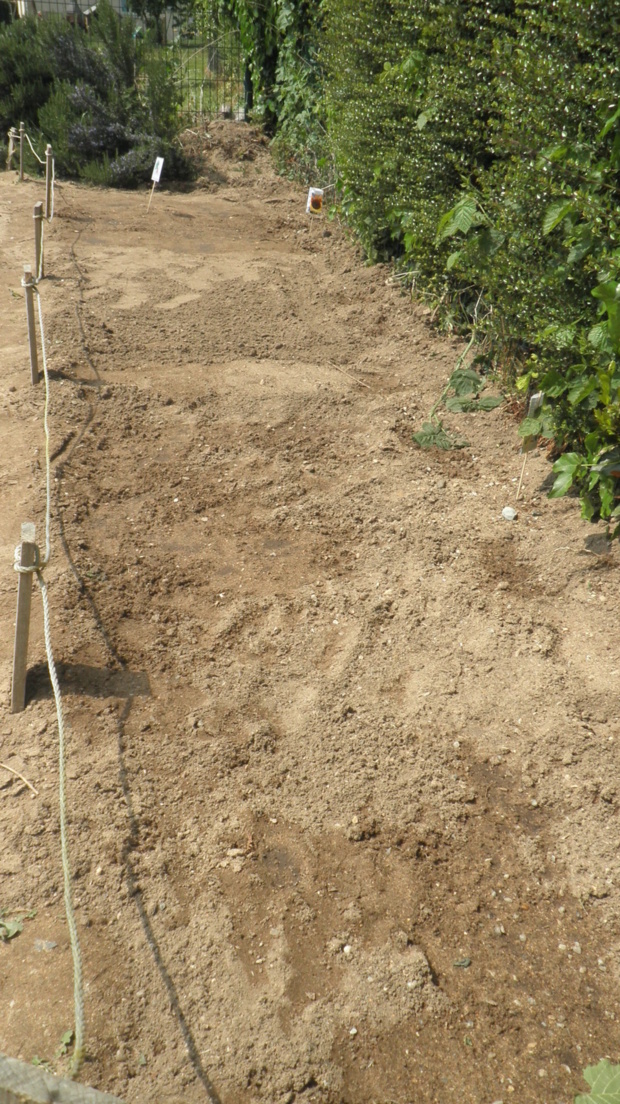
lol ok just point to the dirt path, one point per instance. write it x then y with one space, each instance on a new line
344 744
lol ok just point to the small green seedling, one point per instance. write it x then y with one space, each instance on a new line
41 1063
604 1082
64 1045
9 928
461 395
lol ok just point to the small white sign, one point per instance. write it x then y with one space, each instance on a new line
159 164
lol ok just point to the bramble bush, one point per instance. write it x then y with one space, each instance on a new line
106 102
478 143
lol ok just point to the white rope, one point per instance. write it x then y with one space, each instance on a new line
13 132
37 568
33 149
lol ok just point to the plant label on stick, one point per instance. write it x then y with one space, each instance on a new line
315 201
155 177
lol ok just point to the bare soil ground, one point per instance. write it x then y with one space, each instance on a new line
344 744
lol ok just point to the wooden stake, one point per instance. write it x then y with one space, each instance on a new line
27 558
22 131
48 182
37 215
12 137
521 479
32 333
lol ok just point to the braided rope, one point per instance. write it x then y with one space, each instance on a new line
13 133
37 568
33 149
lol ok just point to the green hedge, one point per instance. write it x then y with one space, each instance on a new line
479 142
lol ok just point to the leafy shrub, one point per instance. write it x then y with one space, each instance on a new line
479 143
26 73
104 103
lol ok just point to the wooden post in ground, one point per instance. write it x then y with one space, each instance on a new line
11 153
48 182
22 131
37 215
28 556
28 284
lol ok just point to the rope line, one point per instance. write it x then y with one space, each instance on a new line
14 134
33 149
37 569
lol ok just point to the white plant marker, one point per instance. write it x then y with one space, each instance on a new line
155 175
314 202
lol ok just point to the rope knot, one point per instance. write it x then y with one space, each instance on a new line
37 566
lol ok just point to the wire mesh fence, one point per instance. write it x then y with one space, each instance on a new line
208 63
202 50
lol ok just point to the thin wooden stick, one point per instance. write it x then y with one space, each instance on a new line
349 376
6 766
21 150
521 478
151 196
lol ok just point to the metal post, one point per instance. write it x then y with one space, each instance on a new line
48 182
22 131
32 334
28 557
37 215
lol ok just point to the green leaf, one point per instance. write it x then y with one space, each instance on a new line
609 123
604 1082
553 153
457 405
9 929
588 509
530 427
452 259
465 381
566 469
581 389
608 292
582 245
489 402
599 337
460 219
421 121
553 384
555 214
435 436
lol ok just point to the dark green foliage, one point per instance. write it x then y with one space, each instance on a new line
479 143
281 40
105 102
26 74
